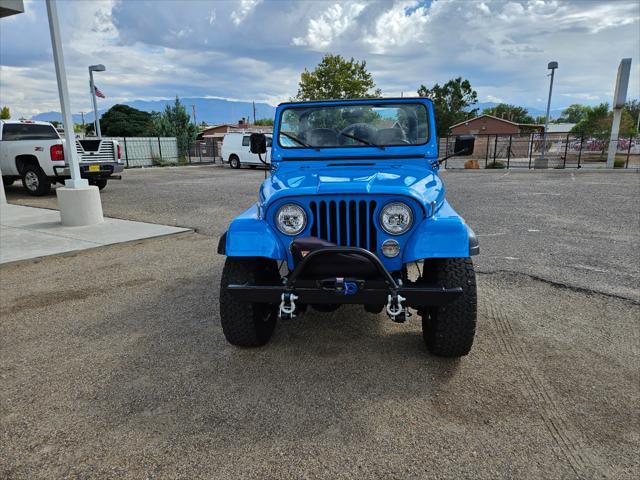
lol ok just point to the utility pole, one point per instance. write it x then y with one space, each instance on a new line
193 108
254 113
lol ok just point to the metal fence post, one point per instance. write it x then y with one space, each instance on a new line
160 149
495 150
509 151
486 157
446 151
126 153
189 154
530 149
580 150
566 149
626 165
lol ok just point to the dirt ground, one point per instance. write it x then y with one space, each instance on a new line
113 363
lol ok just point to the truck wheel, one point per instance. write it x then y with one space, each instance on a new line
99 182
247 324
234 161
35 181
7 181
448 331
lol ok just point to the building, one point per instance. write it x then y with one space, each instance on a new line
209 140
490 125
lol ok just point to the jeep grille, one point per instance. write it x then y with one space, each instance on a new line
347 223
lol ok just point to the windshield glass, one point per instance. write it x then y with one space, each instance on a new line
360 125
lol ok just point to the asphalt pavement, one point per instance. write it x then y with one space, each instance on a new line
113 362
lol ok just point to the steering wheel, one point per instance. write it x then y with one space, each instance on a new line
362 130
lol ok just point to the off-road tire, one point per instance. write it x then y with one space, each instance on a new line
448 331
7 181
247 324
35 181
99 182
234 161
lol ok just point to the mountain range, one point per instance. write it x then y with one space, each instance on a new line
210 110
217 110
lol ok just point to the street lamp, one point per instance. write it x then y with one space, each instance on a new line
96 121
552 66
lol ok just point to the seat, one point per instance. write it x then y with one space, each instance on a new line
390 136
321 137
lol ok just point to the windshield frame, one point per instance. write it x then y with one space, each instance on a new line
359 102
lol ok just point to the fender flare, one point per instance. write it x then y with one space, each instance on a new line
250 236
474 246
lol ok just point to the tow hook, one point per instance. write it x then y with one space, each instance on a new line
287 306
396 311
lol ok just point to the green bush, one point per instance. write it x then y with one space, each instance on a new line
496 164
619 163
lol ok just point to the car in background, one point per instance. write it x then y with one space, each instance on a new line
236 150
34 152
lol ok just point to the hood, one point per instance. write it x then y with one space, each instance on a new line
376 178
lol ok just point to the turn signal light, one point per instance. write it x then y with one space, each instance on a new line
57 153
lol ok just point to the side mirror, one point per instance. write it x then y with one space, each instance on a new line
258 143
464 145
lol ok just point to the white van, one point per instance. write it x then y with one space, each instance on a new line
235 150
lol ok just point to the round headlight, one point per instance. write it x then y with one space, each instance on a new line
396 218
291 219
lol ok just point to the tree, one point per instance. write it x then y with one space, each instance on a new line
573 114
451 102
125 121
597 124
512 113
337 77
633 108
5 114
174 121
264 121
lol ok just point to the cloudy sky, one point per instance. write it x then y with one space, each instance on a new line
256 49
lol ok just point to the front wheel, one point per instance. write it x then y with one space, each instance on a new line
247 324
448 331
35 181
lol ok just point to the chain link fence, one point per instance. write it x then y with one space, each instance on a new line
561 151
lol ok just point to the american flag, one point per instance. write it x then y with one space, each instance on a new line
98 92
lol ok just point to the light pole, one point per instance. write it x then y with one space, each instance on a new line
96 121
543 164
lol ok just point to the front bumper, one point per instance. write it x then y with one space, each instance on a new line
343 290
106 169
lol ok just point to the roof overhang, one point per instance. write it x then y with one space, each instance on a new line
11 7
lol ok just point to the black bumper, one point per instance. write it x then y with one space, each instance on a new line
345 290
87 170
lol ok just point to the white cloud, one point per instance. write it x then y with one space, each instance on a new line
502 47
245 9
404 23
330 25
494 99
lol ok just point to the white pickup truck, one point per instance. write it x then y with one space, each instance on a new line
34 152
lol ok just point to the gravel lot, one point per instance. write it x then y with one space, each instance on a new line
113 363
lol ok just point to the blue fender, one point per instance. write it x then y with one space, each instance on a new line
444 235
251 236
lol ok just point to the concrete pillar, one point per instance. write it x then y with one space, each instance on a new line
79 206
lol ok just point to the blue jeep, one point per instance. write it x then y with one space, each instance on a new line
353 199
